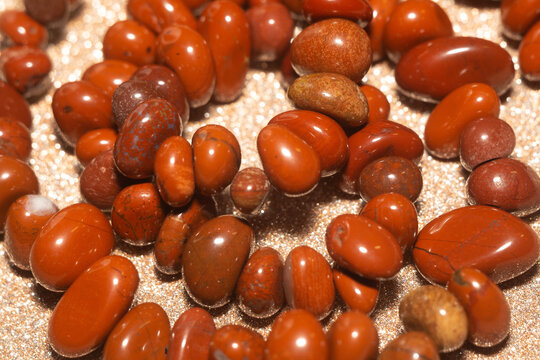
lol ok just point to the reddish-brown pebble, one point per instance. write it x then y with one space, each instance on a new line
528 54
322 133
318 46
128 96
395 213
79 107
288 75
259 291
158 14
137 214
93 143
235 342
142 334
26 69
109 74
364 247
332 94
483 139
487 310
16 179
413 22
292 166
506 183
249 189
174 232
191 335
438 313
357 293
448 119
13 105
432 70
14 139
271 31
355 10
382 10
353 336
378 105
296 335
91 307
186 52
51 13
518 16
144 130
390 174
21 29
130 41
376 140
308 283
225 27
25 217
499 244
216 158
413 345
213 259
72 240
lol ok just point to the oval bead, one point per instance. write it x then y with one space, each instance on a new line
410 346
353 336
355 10
158 14
21 29
91 307
143 333
357 293
235 342
528 54
191 335
499 244
109 74
382 10
26 69
435 68
249 190
518 15
13 105
378 105
14 139
130 41
93 143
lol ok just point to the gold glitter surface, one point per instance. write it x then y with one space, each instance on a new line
285 223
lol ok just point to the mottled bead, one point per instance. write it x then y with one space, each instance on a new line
158 14
128 96
528 54
15 139
353 336
378 105
410 346
26 69
355 10
236 342
109 74
21 29
191 335
249 189
13 105
357 293
93 143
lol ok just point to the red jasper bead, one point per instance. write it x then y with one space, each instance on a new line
518 16
410 346
353 336
52 13
249 189
93 143
355 10
158 14
382 10
235 342
379 107
357 293
26 69
130 41
14 139
21 29
191 335
109 74
13 105
528 54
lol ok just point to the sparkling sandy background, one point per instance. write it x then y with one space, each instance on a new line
286 223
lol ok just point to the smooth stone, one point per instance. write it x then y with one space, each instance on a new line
191 335
413 345
436 312
376 140
213 259
517 16
14 105
158 14
128 96
292 166
130 41
508 184
259 291
448 119
353 336
72 240
93 143
236 342
19 28
143 333
109 74
487 310
359 11
296 335
27 69
308 283
317 47
334 95
322 133
357 293
382 10
378 105
395 213
249 189
528 54
435 68
15 139
497 243
363 247
483 139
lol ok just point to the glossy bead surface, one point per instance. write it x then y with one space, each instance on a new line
13 105
158 14
364 247
435 68
26 69
191 335
499 244
292 166
21 29
72 240
436 312
528 54
331 94
14 139
448 119
25 217
249 189
395 213
230 52
357 293
259 291
130 41
137 214
186 52
90 308
382 10
52 13
355 10
505 183
353 336
109 74
315 49
79 107
296 335
322 133
128 96
235 342
216 158
93 143
146 127
487 310
142 334
410 346
308 283
485 139
518 16
213 259
378 105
